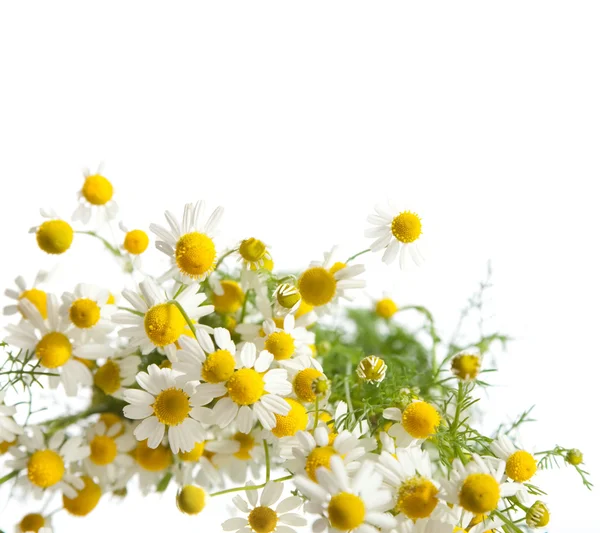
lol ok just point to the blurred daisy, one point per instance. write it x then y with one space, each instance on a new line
352 505
239 455
9 429
55 235
254 392
521 466
116 374
287 299
152 464
34 523
399 232
135 243
95 195
36 296
157 324
89 312
265 515
285 342
162 405
189 245
45 466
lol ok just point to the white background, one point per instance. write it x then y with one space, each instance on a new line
298 117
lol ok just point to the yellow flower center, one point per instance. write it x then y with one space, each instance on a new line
191 499
574 457
194 455
53 350
479 493
86 500
386 308
346 511
466 366
246 386
54 236
45 468
252 250
195 254
417 498
38 299
336 267
262 519
538 515
84 313
320 456
136 241
372 369
103 450
97 190
246 444
317 286
294 421
406 227
110 419
280 344
172 406
287 295
231 299
5 445
152 459
218 366
303 309
420 420
303 384
521 466
32 523
108 377
164 324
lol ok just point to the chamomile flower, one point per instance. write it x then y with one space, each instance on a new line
152 464
189 245
265 515
54 236
192 499
521 466
116 374
164 406
34 523
386 308
53 345
95 196
135 243
285 342
477 486
35 295
418 421
9 429
287 299
157 323
238 455
399 232
89 312
254 254
351 505
254 392
308 381
45 465
198 465
465 365
228 296
323 283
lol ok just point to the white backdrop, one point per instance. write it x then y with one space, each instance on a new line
297 117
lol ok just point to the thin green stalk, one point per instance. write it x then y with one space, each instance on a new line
267 461
113 249
28 373
221 259
251 487
244 307
185 316
316 413
135 312
352 257
8 477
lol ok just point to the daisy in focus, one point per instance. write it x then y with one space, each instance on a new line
89 309
521 465
35 295
309 383
418 421
285 342
95 196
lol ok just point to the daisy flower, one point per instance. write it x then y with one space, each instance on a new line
256 260
116 374
45 465
9 429
385 308
521 466
350 505
53 345
156 323
252 393
265 515
192 499
418 421
285 342
323 283
198 465
287 299
152 464
477 486
399 232
189 245
163 405
135 243
54 236
89 312
34 523
238 455
36 296
305 374
465 365
95 195
228 296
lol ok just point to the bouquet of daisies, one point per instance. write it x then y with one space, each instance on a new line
228 379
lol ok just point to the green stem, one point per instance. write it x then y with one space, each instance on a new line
185 316
316 413
138 313
267 462
347 390
244 307
251 487
8 477
223 257
113 249
29 373
352 257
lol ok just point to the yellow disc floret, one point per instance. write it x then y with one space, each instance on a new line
246 386
253 250
303 384
172 406
152 459
420 420
386 308
191 499
194 455
417 498
54 236
231 299
32 522
136 241
38 299
53 350
108 377
86 500
262 519
287 295
538 515
479 493
320 456
45 468
406 227
97 190
5 445
371 369
317 286
103 450
296 420
521 466
195 254
346 511
84 313
218 366
280 344
466 366
164 324
574 457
